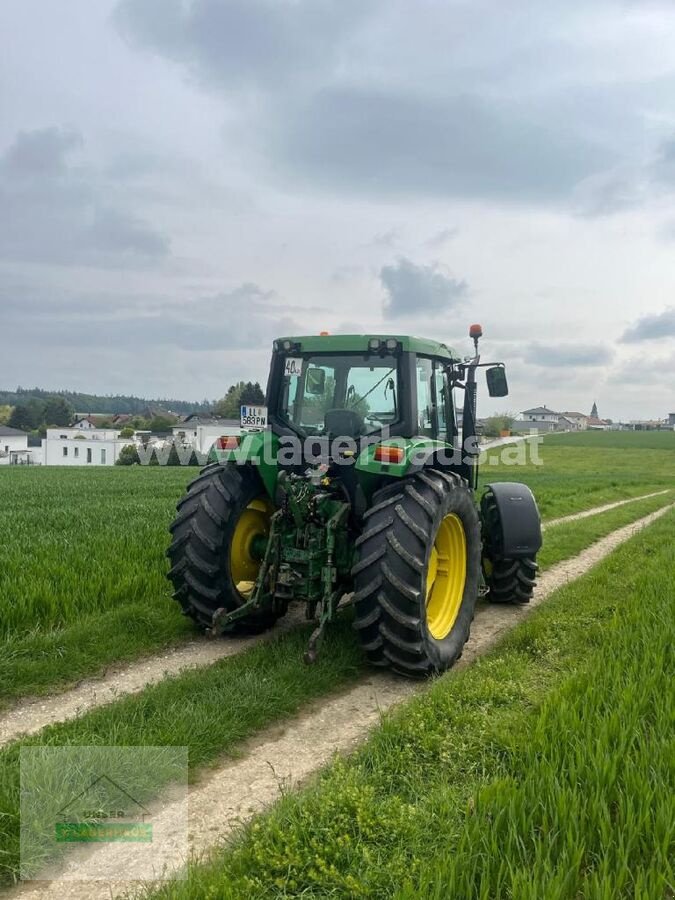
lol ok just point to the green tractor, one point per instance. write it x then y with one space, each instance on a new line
352 485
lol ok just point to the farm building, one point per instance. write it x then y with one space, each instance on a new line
13 446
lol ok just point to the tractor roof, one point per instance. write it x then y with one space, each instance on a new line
343 343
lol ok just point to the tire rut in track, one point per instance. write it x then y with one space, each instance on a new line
596 510
289 753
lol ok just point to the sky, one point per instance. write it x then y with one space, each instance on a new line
183 180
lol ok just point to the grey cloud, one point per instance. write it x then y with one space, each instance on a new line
387 143
44 318
568 355
40 153
59 213
661 325
421 289
241 42
441 237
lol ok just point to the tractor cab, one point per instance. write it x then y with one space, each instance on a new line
362 385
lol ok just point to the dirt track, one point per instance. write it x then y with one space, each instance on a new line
600 509
29 717
287 754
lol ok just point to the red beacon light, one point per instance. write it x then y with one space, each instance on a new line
324 333
475 332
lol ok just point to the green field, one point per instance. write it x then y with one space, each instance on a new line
110 531
82 566
545 770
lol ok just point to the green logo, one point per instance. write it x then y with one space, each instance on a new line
104 812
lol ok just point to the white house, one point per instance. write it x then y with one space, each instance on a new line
13 446
540 418
82 447
202 432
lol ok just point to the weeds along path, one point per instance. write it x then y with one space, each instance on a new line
30 716
584 514
285 755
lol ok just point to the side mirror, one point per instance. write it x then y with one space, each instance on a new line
316 381
496 381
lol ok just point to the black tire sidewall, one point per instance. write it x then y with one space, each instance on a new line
443 652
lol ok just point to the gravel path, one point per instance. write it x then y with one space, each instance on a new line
287 754
596 510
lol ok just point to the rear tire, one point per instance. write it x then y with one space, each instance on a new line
420 535
202 539
507 580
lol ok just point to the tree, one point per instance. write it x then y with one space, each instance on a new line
127 432
237 394
58 412
128 456
496 423
161 424
5 413
252 394
21 418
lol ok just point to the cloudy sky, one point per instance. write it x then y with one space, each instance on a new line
182 180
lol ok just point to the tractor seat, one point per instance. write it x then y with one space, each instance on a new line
343 423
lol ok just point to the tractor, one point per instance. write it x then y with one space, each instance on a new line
353 486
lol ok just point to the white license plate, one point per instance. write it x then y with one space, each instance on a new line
254 417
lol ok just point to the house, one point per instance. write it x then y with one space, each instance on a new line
82 446
90 421
201 432
13 447
579 421
539 418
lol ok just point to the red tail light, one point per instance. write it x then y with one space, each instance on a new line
389 454
227 442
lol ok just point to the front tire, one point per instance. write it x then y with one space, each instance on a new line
212 552
417 575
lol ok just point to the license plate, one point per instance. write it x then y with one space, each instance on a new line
254 417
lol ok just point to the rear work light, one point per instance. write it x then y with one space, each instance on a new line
389 454
227 442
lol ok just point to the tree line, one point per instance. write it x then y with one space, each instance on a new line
35 411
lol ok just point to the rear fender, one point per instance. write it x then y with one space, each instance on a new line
519 518
418 453
258 449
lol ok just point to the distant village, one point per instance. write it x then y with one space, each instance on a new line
96 439
543 419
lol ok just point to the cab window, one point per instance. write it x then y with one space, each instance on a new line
425 403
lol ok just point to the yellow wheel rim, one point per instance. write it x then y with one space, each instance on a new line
446 576
253 522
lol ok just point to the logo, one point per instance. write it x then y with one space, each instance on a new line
104 812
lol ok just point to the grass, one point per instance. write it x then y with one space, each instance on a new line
567 540
213 710
544 770
587 469
82 566
210 711
82 572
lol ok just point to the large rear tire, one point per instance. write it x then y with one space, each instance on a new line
213 560
417 575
